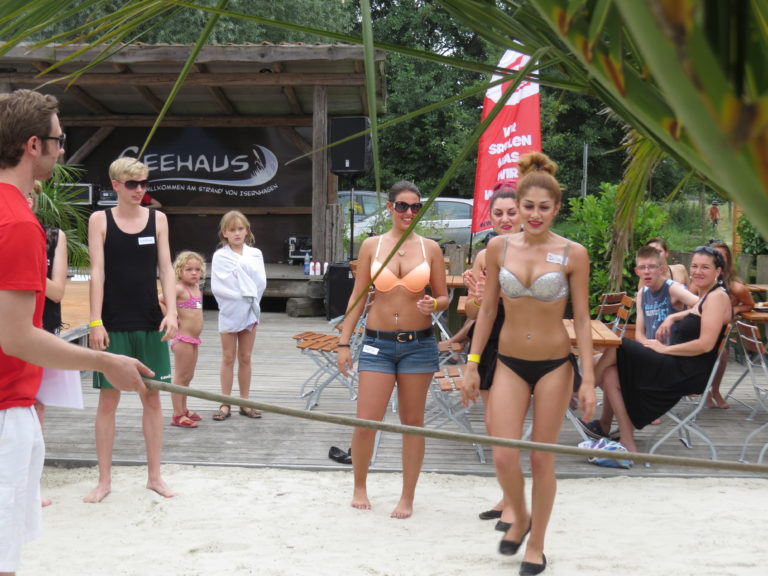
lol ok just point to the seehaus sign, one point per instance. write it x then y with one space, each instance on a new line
213 166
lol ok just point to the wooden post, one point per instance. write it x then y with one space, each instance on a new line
735 238
319 174
458 258
761 276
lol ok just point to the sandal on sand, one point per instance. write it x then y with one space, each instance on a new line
220 414
182 421
194 416
250 412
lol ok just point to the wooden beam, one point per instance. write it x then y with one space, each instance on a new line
319 173
147 95
289 92
143 121
360 67
90 145
292 135
218 94
249 210
81 95
218 79
256 54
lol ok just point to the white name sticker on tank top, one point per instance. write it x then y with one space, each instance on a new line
555 258
370 350
144 240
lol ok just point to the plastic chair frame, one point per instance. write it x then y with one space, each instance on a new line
754 353
685 422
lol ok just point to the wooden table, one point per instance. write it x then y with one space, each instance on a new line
755 317
602 335
454 281
75 310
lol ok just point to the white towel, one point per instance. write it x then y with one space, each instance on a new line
238 282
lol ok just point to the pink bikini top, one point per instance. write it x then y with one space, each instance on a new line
191 303
414 281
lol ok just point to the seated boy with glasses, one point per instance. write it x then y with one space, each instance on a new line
657 298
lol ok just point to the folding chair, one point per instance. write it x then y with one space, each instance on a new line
322 349
619 325
754 355
445 403
610 303
754 352
684 413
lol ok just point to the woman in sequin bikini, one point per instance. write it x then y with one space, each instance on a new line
534 271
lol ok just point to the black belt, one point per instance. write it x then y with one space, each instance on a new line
404 336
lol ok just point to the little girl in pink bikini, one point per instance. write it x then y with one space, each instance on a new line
190 271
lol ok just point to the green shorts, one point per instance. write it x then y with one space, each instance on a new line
147 347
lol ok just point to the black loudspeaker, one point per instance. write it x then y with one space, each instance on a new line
353 156
338 288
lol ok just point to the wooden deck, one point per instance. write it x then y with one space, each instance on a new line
279 369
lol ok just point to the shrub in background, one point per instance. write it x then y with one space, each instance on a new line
590 223
751 240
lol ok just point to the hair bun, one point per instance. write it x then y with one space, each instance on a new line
536 162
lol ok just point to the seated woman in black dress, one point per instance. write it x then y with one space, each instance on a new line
643 381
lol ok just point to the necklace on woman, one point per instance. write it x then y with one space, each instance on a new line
401 252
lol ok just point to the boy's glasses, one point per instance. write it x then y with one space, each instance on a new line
647 268
403 207
133 184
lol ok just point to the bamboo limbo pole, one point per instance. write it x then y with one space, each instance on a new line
457 436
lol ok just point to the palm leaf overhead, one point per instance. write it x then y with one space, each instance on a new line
691 76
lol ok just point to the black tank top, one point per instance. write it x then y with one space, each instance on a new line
52 310
130 278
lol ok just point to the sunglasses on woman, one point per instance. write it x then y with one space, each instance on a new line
403 207
133 184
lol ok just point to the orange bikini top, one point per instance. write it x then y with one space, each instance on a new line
414 281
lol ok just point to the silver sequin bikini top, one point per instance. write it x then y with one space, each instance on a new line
547 287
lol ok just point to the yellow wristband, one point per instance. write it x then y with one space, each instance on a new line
434 306
94 323
474 358
476 303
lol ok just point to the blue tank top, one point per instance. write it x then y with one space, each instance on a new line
656 307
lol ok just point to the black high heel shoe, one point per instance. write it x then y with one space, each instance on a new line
531 568
510 547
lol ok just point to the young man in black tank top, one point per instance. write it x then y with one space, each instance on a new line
127 245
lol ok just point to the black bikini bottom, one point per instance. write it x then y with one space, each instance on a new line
532 370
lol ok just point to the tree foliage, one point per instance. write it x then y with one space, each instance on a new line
588 225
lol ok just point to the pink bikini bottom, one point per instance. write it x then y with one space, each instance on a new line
187 339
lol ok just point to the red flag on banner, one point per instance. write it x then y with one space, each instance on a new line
515 131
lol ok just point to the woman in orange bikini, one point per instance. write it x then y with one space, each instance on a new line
534 272
399 343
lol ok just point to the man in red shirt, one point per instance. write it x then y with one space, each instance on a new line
31 142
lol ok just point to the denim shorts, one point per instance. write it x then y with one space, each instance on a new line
419 356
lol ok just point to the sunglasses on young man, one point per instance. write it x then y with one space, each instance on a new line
133 184
403 207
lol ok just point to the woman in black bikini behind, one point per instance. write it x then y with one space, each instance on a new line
534 271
